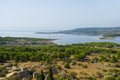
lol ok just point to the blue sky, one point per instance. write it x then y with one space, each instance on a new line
58 14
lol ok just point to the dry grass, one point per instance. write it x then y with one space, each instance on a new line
93 69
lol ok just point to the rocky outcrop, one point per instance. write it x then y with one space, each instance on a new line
11 74
19 72
2 78
24 74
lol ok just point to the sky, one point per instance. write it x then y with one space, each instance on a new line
58 14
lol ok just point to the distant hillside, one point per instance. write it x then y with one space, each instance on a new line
89 31
93 31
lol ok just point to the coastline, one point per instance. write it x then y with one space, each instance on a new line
107 38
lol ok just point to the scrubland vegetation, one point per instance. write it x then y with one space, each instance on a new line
87 61
23 41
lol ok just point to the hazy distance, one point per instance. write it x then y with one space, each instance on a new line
58 14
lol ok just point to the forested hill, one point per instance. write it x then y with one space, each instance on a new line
93 31
115 31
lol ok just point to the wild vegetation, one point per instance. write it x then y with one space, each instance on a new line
22 41
89 61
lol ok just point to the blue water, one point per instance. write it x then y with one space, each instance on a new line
61 38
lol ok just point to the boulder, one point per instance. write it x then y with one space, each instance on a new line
54 70
11 74
24 74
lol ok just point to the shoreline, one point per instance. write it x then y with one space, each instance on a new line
107 38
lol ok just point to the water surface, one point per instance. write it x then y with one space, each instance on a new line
61 38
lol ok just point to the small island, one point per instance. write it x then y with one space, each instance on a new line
109 36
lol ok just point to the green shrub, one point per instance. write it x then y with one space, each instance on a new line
118 78
3 71
40 76
73 74
110 78
67 66
85 66
73 63
58 67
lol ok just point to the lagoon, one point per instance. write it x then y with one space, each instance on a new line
60 38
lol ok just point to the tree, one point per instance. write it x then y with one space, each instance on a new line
16 58
40 76
2 58
50 75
